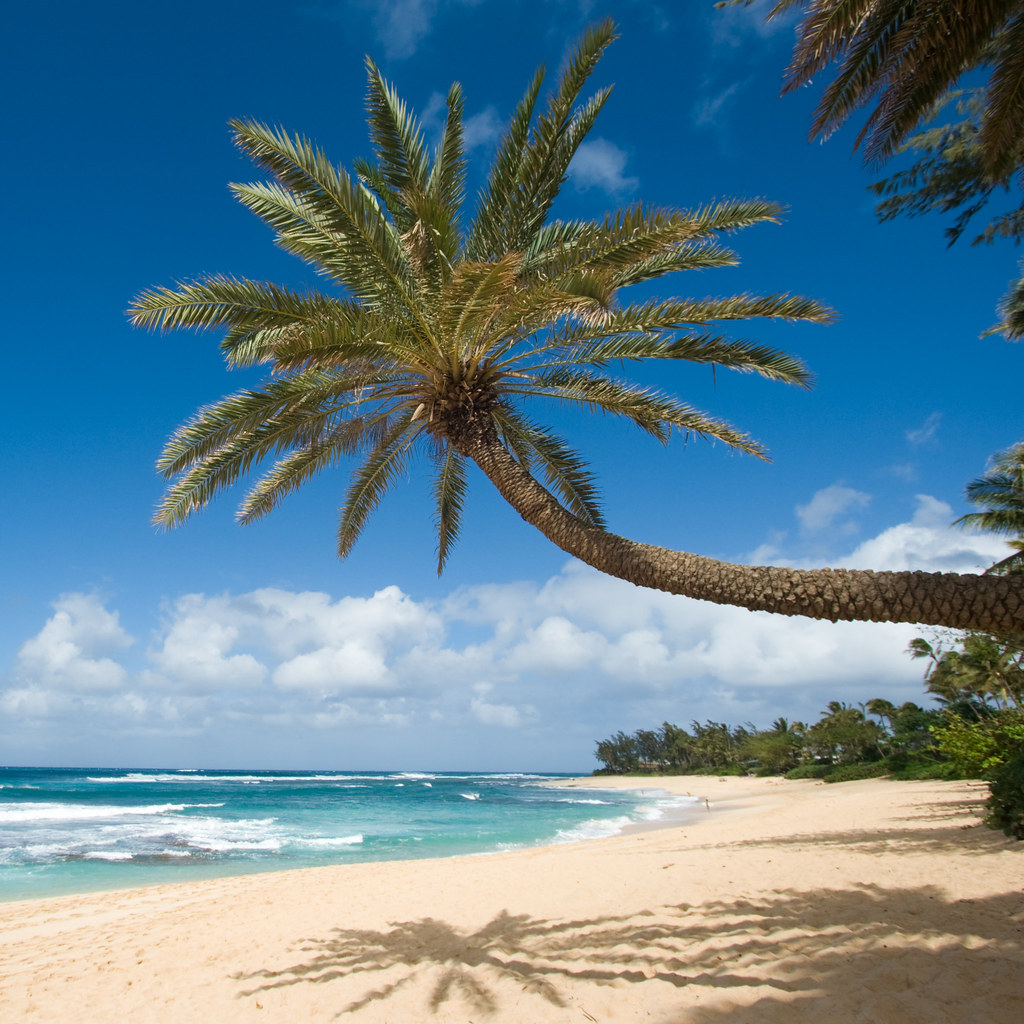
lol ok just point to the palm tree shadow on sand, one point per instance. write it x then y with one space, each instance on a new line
804 949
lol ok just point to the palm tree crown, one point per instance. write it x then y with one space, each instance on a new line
436 331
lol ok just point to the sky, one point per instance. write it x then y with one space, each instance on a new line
220 646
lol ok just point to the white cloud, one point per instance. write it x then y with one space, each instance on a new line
927 431
71 649
330 670
402 24
828 505
928 543
505 715
482 130
599 163
196 649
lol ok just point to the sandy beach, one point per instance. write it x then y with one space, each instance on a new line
870 902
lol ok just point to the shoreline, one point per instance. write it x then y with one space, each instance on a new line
164 874
789 902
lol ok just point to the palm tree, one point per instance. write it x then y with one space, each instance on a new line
903 56
883 710
439 335
1000 493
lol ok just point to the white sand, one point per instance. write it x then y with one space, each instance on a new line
870 902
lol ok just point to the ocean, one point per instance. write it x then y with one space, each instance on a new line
68 830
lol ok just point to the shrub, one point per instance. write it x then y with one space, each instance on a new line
726 769
810 771
1006 804
909 768
853 772
979 749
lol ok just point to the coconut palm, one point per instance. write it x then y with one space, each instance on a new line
440 333
903 56
1000 493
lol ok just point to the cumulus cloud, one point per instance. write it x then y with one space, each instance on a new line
828 505
927 542
505 715
72 650
196 648
599 163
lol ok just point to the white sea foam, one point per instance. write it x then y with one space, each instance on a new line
594 828
112 855
470 796
193 775
330 843
575 800
39 812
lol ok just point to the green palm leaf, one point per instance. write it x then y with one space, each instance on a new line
449 498
564 471
372 480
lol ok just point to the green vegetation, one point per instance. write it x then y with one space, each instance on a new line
975 732
1006 804
999 495
845 743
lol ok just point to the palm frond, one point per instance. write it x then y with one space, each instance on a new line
450 487
680 314
318 202
396 135
487 232
291 410
564 471
1003 125
530 167
447 181
258 315
702 348
297 467
650 410
372 480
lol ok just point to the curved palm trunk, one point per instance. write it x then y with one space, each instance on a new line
993 604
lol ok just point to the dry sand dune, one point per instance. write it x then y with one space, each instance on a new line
865 903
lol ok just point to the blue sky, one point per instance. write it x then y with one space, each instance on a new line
220 646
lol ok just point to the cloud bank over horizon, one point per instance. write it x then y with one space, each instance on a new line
574 656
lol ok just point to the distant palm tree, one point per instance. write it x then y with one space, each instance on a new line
442 330
882 709
1000 493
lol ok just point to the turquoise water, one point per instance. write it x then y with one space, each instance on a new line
66 830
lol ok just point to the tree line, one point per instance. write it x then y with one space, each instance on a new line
975 729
